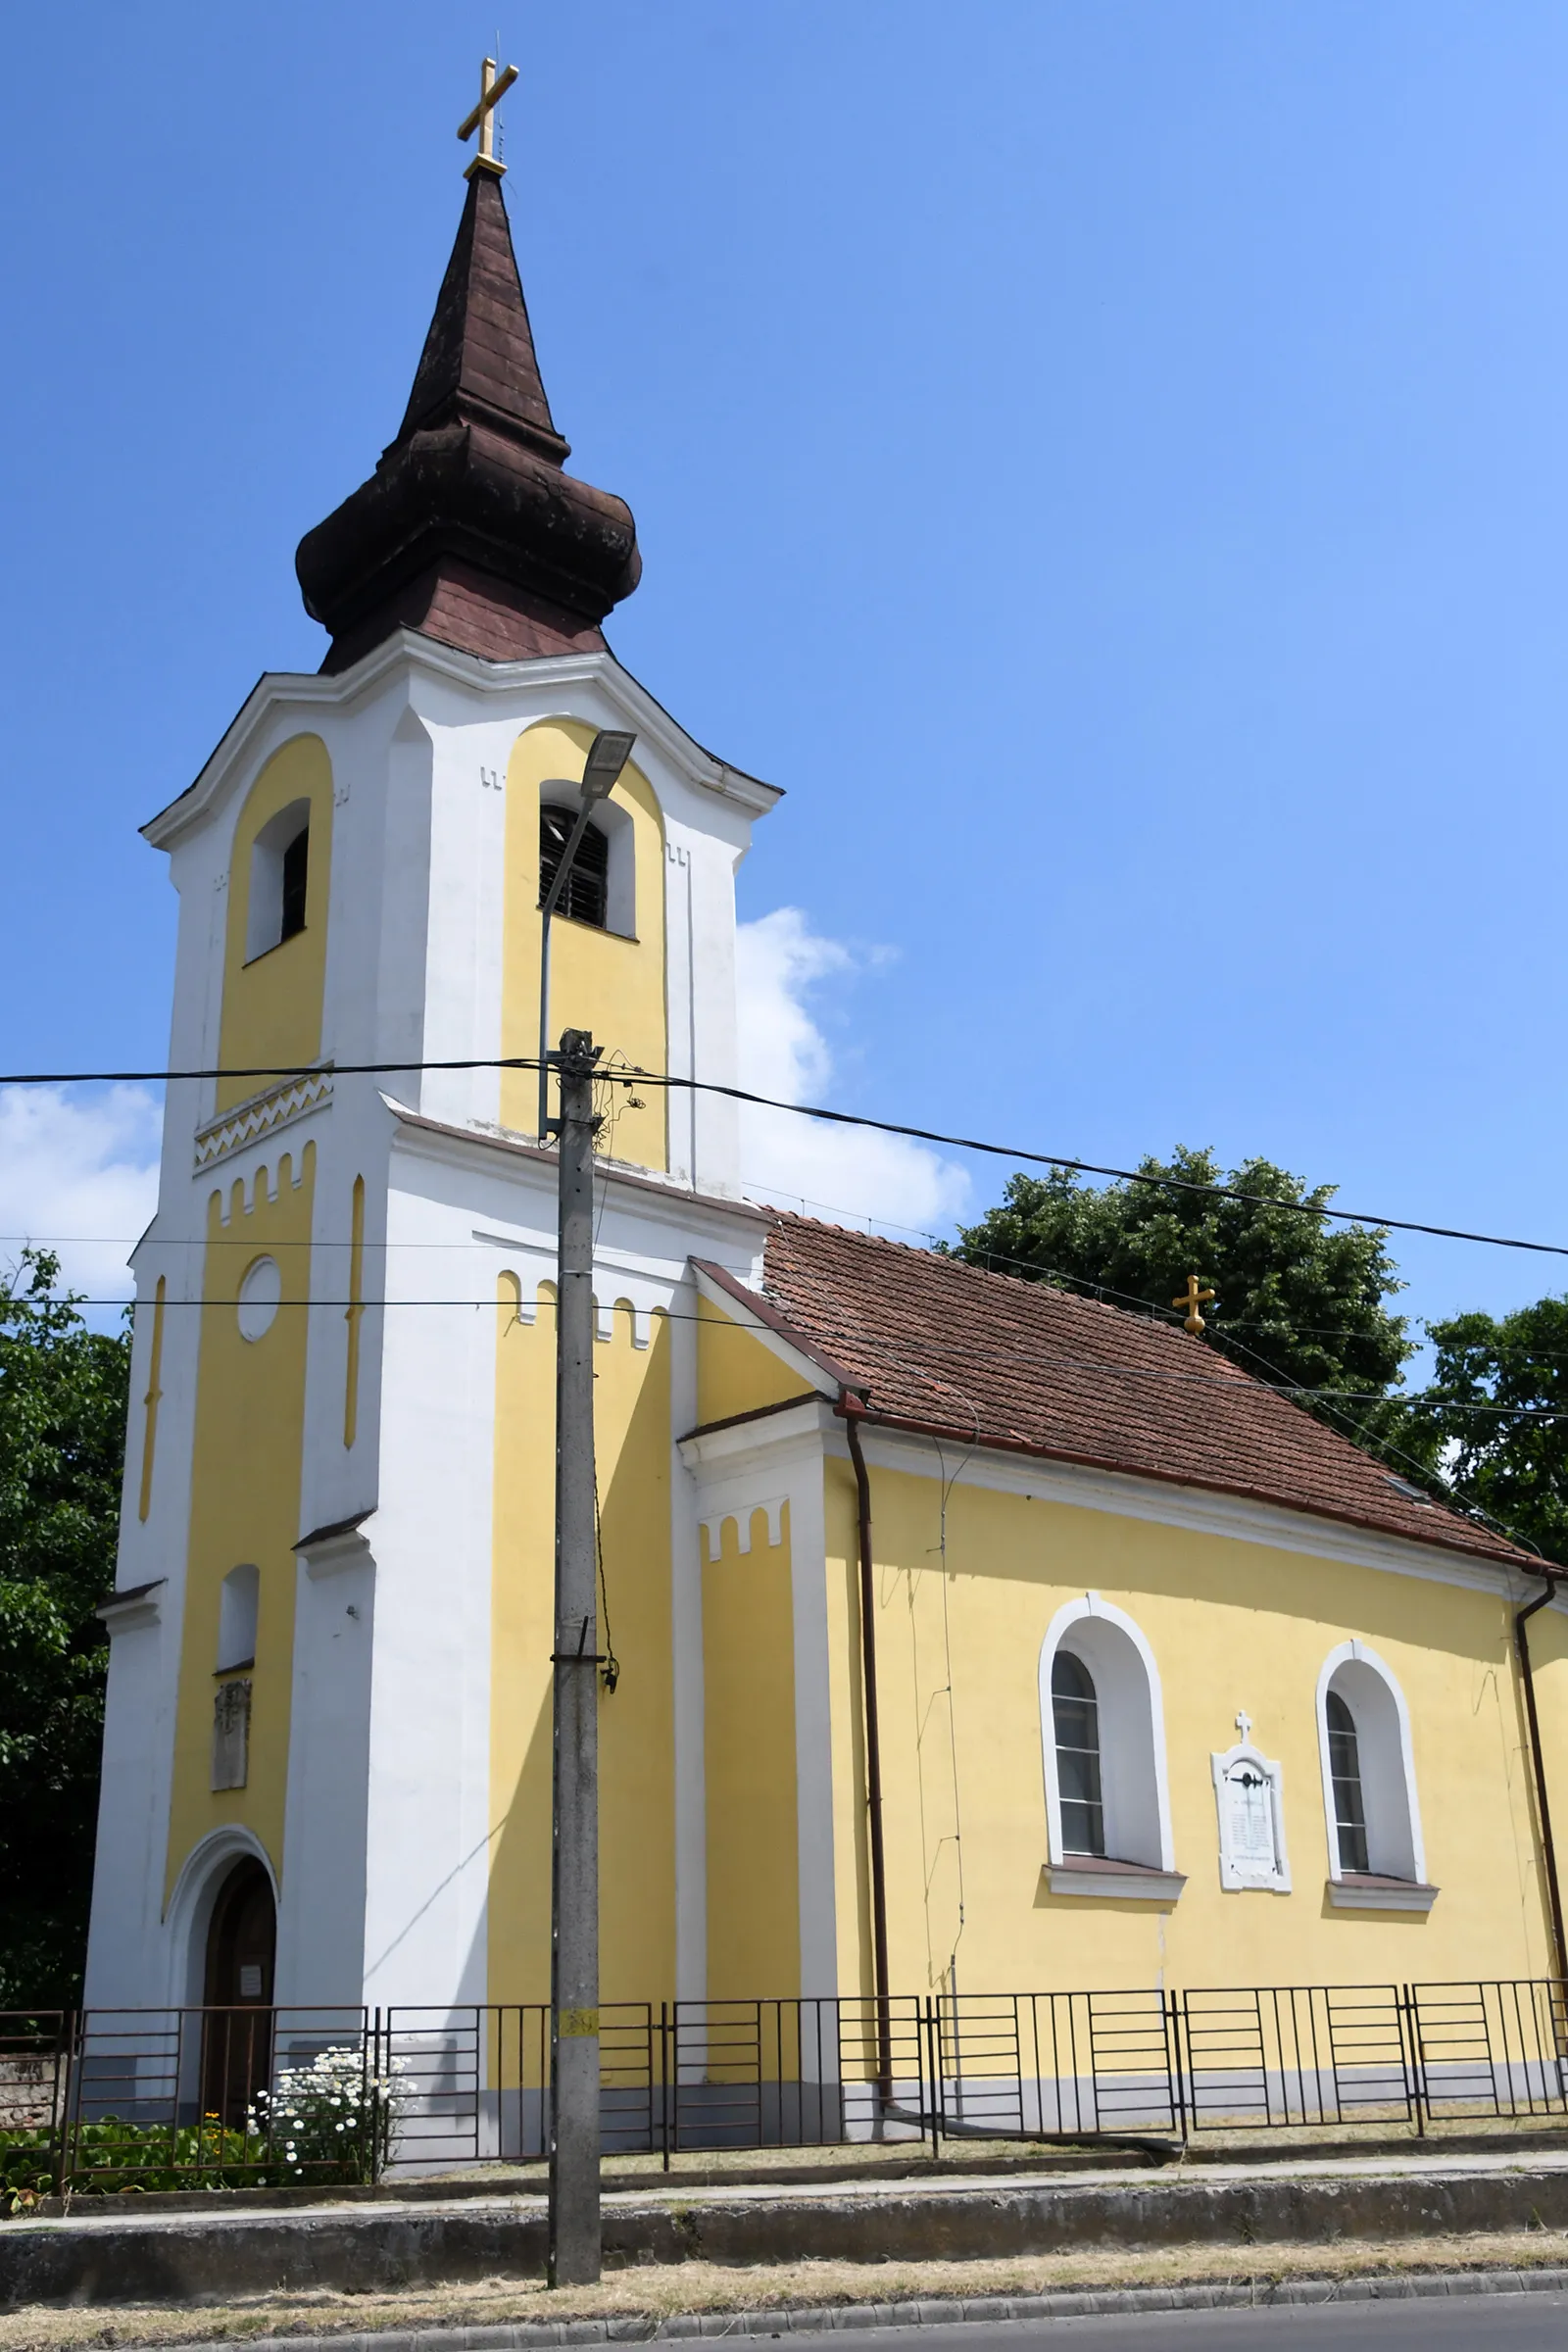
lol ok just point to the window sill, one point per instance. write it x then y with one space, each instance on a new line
240 1666
1123 1882
271 948
580 922
1354 1893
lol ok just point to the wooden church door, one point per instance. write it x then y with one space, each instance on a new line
237 2031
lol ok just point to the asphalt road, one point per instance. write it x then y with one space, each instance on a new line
1536 2323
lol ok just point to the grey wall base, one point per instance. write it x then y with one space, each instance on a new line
185 2258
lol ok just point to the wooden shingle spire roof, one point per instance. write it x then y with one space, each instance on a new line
470 529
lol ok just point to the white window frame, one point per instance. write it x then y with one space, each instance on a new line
239 1604
1140 1857
263 905
1395 1848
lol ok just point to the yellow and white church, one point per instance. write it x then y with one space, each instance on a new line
967 1632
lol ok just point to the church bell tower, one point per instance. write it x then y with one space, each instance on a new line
330 1640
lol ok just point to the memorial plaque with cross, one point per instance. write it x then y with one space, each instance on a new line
1251 1817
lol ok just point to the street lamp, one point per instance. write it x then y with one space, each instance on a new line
608 754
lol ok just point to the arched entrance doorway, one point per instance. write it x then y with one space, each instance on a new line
237 2031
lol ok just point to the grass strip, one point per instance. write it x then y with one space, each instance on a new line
657 2292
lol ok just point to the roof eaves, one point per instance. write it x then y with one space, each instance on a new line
779 1325
991 1443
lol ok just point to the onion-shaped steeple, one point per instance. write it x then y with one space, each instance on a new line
470 530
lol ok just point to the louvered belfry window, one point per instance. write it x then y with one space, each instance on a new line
586 895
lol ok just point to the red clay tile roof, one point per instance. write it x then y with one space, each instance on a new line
951 1348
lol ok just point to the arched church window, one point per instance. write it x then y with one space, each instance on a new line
1345 1773
586 897
280 869
1075 1712
1103 1736
1377 1860
238 1611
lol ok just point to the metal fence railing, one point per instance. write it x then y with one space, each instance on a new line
1296 2056
229 2097
1496 2049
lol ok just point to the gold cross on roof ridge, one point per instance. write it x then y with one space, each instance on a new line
493 88
1193 1298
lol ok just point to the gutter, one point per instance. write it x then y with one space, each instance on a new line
852 1409
1549 1850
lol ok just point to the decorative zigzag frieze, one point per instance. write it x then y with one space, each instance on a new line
262 1115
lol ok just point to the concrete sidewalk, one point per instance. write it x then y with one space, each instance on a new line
117 2255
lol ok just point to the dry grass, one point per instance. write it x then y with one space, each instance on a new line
657 2292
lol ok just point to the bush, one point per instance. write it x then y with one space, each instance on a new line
334 2120
112 2157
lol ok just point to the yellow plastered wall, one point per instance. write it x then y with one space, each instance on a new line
753 1933
612 986
1548 1652
736 1372
754 1919
272 1005
1231 1626
636 1727
245 1500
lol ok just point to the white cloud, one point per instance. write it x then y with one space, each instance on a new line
847 1174
78 1175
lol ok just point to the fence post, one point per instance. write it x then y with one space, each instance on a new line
64 2047
675 2075
931 2039
370 2093
1175 2059
1410 2036
663 2081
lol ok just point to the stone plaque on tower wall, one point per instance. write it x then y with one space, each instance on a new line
232 1733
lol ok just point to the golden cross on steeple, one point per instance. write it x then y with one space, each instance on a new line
493 88
1193 1299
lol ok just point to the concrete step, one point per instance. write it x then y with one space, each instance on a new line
389 2243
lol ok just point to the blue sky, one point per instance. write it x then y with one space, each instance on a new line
1106 460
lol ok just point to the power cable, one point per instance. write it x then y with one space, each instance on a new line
819 1111
908 1345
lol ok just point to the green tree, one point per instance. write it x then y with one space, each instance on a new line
1509 1461
1300 1302
62 1391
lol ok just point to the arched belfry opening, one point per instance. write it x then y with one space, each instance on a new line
237 1990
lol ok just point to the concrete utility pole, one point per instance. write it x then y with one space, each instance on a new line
575 2234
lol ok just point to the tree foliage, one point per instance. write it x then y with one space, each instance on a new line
1509 1462
62 1391
1300 1302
